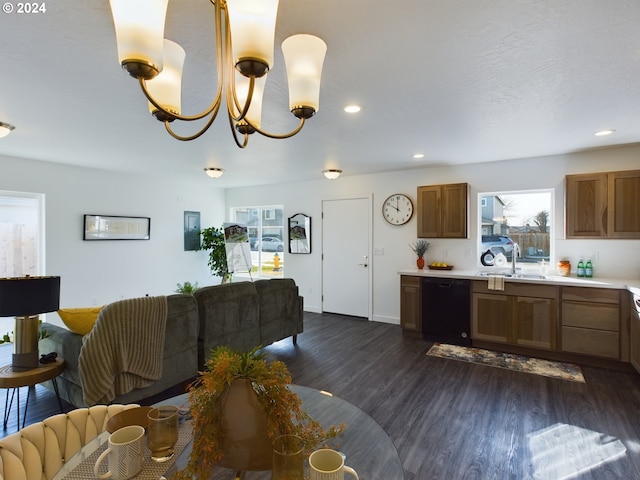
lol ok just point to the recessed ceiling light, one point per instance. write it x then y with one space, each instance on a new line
602 133
352 108
418 155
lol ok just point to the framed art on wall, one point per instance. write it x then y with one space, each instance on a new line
111 227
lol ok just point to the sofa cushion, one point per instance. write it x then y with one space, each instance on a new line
79 320
228 316
281 308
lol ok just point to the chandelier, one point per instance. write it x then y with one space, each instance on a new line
244 32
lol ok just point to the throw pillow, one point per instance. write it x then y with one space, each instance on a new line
79 320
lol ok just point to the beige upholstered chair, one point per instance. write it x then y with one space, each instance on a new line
39 450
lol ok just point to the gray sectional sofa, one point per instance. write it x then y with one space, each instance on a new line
240 315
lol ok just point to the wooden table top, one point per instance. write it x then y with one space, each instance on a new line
42 373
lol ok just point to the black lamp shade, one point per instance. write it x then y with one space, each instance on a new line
25 296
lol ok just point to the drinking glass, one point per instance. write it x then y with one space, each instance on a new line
288 463
162 434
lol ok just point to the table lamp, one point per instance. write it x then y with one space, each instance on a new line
25 298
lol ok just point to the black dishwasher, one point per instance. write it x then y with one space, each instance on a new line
446 310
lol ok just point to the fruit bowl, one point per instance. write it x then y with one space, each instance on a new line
436 267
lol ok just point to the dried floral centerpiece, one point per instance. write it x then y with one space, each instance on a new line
282 409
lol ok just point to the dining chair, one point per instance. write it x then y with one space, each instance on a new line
39 450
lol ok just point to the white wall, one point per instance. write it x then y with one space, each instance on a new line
617 258
98 272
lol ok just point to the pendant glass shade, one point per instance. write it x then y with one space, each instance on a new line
254 115
304 57
166 88
139 26
253 25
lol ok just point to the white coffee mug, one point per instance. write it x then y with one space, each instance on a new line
126 454
327 464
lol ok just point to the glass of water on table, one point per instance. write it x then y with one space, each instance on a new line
162 434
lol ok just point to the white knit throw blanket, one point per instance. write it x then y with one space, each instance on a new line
124 350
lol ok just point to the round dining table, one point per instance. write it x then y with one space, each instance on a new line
367 447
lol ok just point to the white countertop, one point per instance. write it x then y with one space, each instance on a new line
617 283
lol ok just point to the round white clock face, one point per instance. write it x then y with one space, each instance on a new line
397 209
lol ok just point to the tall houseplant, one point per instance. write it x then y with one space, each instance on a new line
209 396
212 238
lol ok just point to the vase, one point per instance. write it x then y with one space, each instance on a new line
564 268
420 263
244 425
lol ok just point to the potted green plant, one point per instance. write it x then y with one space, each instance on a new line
213 239
216 399
420 247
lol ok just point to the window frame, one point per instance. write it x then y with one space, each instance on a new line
505 193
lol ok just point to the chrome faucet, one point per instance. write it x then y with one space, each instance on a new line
514 253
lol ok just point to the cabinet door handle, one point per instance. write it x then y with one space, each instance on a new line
363 265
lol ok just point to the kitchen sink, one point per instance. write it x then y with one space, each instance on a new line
524 276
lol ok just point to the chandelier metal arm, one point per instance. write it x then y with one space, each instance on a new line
245 141
213 107
279 136
206 126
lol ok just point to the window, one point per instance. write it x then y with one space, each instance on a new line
21 234
266 238
524 218
21 239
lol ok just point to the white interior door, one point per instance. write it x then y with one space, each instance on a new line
346 268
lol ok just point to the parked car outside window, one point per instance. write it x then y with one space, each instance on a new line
497 244
270 244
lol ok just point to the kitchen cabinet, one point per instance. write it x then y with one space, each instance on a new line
442 211
410 304
635 332
591 321
603 205
523 314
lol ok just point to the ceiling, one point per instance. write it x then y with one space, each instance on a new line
460 81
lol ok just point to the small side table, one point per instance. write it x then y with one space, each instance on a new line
28 378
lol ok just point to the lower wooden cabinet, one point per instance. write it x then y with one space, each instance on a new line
491 318
524 315
410 304
591 321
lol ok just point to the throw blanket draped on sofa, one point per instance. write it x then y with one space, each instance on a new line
124 350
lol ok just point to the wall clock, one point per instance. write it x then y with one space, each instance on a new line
397 209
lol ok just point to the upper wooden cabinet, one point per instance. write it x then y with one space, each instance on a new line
603 205
442 211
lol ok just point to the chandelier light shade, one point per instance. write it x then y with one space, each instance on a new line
332 174
5 129
253 30
167 85
304 56
25 298
139 26
214 172
244 49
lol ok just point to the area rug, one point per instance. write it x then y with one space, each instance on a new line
519 363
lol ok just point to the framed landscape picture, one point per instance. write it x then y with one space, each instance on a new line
111 227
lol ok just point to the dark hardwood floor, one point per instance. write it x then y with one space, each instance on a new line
454 420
